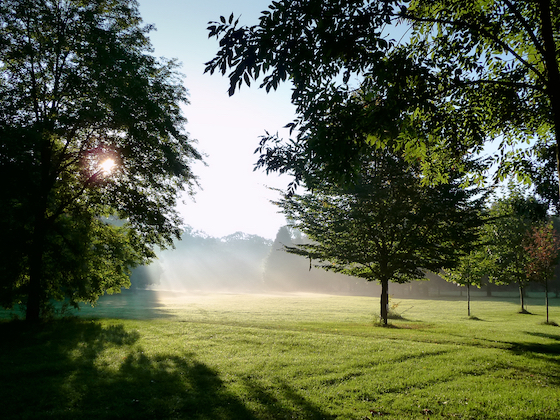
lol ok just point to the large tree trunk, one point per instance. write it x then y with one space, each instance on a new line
384 300
34 288
553 73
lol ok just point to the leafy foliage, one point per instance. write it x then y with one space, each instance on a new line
511 217
471 269
78 86
542 244
437 79
387 226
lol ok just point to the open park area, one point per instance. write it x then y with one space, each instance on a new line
156 355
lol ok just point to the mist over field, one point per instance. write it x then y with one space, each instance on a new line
244 263
241 263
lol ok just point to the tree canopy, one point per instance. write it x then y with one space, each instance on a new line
469 271
542 244
438 79
386 226
511 217
93 152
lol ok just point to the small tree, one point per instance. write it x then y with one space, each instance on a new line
386 225
470 271
511 217
542 245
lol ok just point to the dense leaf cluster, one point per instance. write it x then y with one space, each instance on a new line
388 225
437 79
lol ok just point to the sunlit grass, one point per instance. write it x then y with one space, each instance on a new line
277 357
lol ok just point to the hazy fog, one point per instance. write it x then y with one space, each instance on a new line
242 263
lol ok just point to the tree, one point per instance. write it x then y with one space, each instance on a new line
511 217
470 271
542 245
93 143
387 226
233 263
144 276
280 268
441 79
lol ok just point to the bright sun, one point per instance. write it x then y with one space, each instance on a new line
107 166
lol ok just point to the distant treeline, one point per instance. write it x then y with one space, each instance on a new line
243 263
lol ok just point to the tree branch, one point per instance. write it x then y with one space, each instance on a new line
486 34
525 25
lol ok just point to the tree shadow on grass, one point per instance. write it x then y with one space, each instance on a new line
547 352
551 348
554 337
129 304
272 402
71 369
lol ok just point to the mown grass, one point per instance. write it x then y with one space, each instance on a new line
281 357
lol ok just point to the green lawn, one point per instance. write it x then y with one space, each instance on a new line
150 356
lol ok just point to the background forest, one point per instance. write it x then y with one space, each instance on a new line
243 263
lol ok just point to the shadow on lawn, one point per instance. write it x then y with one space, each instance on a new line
554 337
129 304
550 348
72 369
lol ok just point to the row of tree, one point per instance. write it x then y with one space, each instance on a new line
239 263
374 236
519 245
387 226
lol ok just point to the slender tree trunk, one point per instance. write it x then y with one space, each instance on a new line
546 298
522 297
384 300
469 299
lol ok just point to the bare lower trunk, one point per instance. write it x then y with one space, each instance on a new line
468 299
522 297
34 287
33 311
384 301
546 298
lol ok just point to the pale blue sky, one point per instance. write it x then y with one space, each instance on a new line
234 198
